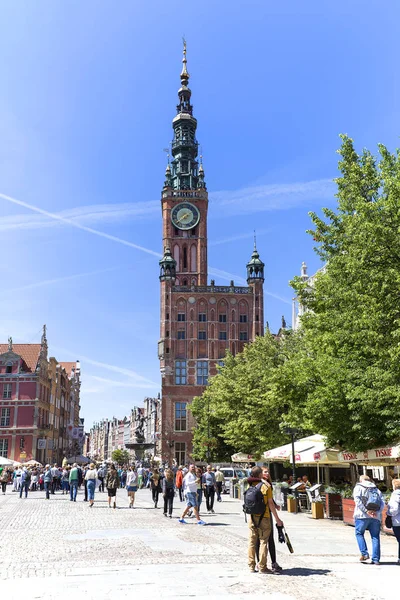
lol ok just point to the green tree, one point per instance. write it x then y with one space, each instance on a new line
120 457
347 362
240 410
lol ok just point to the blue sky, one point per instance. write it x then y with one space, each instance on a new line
89 91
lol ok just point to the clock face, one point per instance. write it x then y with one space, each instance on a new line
185 215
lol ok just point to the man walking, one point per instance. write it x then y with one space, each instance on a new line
55 474
219 482
367 516
179 482
210 485
100 476
47 479
73 482
25 482
190 485
260 524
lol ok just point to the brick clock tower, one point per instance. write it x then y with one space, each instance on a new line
199 322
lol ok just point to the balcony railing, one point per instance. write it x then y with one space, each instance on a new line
214 289
185 194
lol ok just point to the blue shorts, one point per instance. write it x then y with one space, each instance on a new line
132 488
191 499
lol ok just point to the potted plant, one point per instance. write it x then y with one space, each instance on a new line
348 505
291 503
317 509
333 502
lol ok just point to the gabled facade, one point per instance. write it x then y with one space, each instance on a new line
36 405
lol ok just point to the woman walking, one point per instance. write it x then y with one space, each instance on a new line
200 486
65 480
155 486
91 478
131 485
4 480
168 491
112 484
394 512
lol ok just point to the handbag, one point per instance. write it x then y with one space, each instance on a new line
389 522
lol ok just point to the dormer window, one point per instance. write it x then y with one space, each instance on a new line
9 368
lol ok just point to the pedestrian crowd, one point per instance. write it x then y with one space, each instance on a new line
192 484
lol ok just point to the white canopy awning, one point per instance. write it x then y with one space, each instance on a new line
284 453
241 457
5 462
378 456
310 450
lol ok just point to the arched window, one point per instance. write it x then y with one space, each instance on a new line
176 256
9 367
185 257
193 258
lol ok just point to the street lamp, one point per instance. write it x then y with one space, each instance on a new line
293 432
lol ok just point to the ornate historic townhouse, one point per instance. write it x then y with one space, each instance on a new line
39 404
119 434
200 321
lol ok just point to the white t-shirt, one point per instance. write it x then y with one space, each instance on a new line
91 474
190 482
131 478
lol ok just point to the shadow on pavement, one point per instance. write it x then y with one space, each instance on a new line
304 572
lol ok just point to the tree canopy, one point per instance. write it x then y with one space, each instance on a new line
339 375
121 457
240 409
351 332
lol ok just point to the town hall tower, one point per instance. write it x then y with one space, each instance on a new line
199 322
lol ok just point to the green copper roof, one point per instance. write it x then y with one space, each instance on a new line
185 173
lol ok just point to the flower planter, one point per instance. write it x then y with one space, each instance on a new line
291 505
348 510
317 510
333 506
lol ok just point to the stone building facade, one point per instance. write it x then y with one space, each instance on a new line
39 403
199 321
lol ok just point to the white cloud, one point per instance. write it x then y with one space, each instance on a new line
68 221
236 238
237 202
44 282
124 384
82 215
280 196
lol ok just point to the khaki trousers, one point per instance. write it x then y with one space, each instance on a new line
259 534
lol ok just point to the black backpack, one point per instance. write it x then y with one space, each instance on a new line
372 500
27 477
254 500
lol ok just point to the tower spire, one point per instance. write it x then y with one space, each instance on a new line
185 172
184 73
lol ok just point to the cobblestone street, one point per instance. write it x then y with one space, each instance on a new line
55 548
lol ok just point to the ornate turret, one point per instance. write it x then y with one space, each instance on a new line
255 267
184 168
43 344
167 266
168 180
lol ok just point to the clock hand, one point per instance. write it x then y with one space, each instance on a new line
183 217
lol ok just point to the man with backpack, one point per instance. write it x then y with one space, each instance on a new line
367 516
259 504
25 482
